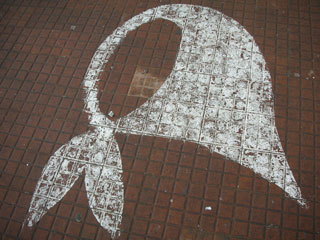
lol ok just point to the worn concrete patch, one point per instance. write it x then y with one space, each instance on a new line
145 83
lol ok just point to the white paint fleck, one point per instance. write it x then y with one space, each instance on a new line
296 75
219 95
111 114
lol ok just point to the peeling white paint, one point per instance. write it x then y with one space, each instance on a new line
218 95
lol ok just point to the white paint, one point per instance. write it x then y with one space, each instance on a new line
218 95
111 114
208 208
97 153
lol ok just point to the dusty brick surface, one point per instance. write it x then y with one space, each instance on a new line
45 49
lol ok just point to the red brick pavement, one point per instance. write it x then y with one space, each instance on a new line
45 49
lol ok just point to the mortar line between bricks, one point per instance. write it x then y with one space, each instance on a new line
136 201
251 205
269 187
158 187
283 143
219 197
300 110
253 178
274 83
223 170
314 127
234 205
206 188
250 217
184 211
286 117
263 51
